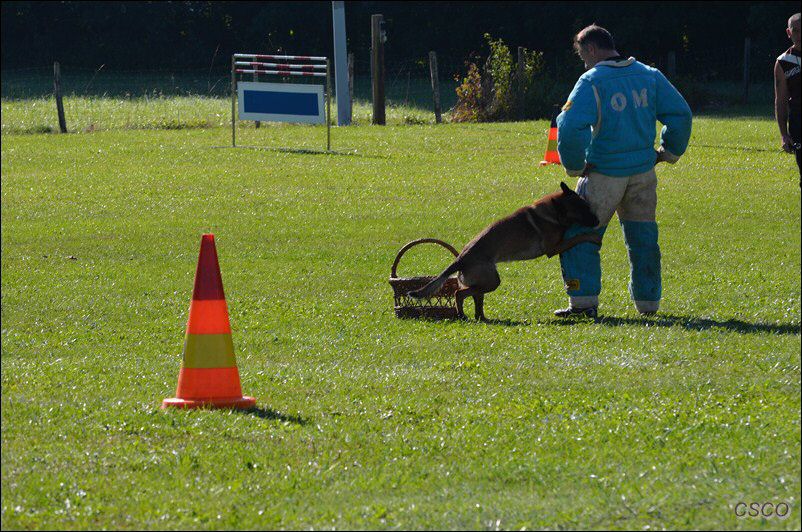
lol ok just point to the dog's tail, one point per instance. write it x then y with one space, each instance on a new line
435 284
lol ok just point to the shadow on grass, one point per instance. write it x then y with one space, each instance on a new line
534 133
507 323
738 148
693 324
304 151
267 413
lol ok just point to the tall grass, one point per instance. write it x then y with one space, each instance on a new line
177 112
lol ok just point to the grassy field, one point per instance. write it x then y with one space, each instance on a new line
89 114
366 421
145 101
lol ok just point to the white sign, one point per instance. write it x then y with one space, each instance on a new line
281 102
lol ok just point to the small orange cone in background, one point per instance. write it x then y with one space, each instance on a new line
552 156
209 375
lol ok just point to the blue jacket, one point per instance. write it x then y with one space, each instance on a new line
609 120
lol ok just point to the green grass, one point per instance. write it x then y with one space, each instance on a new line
367 421
87 114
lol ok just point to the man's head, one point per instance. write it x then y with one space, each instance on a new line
594 44
793 30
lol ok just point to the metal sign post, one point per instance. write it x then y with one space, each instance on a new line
341 64
233 103
328 107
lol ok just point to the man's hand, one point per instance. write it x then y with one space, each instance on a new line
788 144
663 156
660 157
657 158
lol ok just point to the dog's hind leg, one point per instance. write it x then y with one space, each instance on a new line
460 296
485 280
479 303
478 299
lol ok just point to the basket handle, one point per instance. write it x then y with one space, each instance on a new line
415 243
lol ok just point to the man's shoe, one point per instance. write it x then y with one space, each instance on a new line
571 312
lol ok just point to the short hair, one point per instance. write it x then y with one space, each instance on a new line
793 18
594 34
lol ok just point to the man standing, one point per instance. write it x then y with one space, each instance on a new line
787 89
606 135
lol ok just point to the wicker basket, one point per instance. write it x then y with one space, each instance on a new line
440 305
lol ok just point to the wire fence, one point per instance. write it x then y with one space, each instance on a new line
710 80
106 99
407 83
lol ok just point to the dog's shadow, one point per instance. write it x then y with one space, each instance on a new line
505 323
692 323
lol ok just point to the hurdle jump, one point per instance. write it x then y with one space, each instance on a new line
280 102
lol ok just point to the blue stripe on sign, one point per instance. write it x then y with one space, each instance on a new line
280 103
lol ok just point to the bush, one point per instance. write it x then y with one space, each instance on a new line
502 90
469 96
498 80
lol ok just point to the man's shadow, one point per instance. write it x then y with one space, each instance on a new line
698 324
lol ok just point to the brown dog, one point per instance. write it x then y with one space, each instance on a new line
527 233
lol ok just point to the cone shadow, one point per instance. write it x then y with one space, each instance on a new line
267 413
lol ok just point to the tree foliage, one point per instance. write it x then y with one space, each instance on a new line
152 35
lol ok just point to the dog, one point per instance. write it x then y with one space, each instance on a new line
526 234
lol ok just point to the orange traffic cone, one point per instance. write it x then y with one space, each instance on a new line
552 156
209 375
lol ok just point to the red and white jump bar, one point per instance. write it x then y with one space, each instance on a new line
278 57
281 72
280 66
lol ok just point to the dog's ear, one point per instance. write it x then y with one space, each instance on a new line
564 187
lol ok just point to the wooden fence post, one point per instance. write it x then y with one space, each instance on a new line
438 118
377 70
62 122
519 74
747 53
671 65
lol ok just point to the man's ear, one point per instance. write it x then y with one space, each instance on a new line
564 187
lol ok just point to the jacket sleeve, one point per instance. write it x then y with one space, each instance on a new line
675 115
573 127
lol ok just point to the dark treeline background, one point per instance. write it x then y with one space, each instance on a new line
707 37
